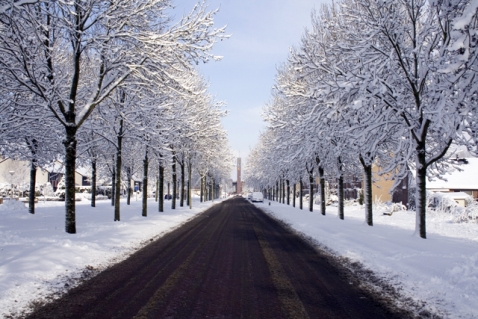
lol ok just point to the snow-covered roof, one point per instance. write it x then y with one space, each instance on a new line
84 170
465 179
455 195
55 167
59 167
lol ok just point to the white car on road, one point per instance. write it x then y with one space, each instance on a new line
257 197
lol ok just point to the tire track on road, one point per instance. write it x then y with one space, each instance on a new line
320 283
285 290
152 307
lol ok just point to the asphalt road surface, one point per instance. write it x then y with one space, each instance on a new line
232 261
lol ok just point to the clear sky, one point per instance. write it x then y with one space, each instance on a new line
261 34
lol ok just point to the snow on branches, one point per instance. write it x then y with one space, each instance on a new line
386 83
90 64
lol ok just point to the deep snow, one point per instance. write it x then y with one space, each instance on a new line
37 257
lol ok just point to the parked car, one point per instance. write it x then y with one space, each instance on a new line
249 196
257 197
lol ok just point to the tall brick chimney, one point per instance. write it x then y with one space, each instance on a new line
239 182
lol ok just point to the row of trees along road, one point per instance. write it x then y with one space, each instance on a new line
387 83
110 84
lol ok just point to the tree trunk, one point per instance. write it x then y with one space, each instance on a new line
190 175
181 200
288 192
156 192
128 196
173 203
293 195
118 171
211 181
70 164
31 195
367 171
145 184
322 190
300 194
188 193
274 193
201 190
311 192
341 196
113 183
93 182
283 192
340 191
213 189
206 189
33 146
277 192
161 189
421 192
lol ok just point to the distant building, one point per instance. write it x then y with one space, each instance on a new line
456 181
18 173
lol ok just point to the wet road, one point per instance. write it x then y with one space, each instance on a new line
232 261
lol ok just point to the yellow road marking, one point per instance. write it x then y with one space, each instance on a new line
285 290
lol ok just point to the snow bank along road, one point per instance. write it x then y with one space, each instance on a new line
232 261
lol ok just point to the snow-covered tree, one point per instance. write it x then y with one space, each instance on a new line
384 82
72 55
404 46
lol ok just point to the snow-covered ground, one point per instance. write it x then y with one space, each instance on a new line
441 271
37 257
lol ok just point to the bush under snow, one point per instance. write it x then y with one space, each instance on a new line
12 205
443 203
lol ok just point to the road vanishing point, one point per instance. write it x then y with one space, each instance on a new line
231 261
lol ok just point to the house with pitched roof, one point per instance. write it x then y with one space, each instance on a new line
463 179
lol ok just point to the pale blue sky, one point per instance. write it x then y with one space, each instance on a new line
262 33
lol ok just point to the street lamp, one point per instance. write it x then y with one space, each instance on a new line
11 179
136 189
41 193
